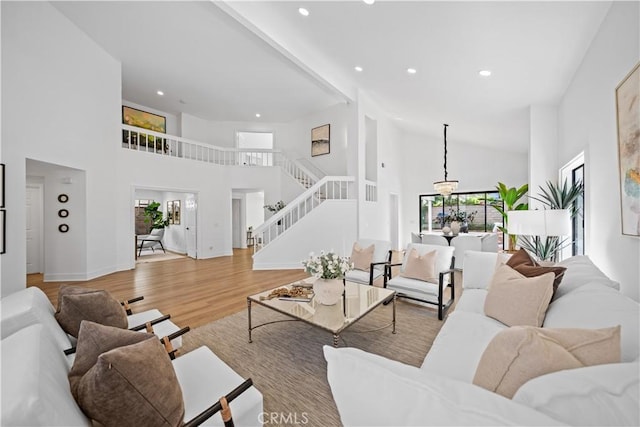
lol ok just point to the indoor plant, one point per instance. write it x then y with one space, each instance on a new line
329 270
510 197
154 217
555 196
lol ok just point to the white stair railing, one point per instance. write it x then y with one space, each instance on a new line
328 188
297 171
370 191
139 139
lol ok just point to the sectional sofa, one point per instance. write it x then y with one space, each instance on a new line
372 390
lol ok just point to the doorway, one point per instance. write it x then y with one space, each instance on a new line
35 226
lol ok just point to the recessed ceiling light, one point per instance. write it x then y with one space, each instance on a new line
411 70
303 11
160 92
357 68
257 114
485 73
369 1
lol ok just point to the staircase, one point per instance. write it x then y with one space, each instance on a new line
328 188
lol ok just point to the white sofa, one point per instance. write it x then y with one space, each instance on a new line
35 388
372 390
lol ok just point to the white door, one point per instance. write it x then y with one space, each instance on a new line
236 219
190 215
35 251
394 221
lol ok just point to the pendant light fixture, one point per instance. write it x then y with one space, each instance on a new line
445 187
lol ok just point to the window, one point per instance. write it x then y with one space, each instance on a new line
577 222
252 146
434 207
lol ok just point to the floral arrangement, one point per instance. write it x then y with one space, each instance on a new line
327 265
275 208
456 215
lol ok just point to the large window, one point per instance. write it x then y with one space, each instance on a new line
477 205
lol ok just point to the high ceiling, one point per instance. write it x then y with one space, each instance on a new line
229 61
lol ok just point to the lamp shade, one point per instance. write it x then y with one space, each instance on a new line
548 222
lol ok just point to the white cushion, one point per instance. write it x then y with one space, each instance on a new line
28 307
472 300
597 306
591 396
443 259
204 378
35 388
414 288
161 329
580 271
479 268
459 345
370 390
360 276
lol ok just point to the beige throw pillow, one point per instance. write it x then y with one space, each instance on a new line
518 354
516 300
362 258
421 267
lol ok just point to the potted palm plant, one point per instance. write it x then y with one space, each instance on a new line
555 196
510 197
153 216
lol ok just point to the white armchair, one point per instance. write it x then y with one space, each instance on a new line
151 241
430 289
463 243
381 257
434 239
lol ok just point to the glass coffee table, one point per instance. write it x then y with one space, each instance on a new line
357 301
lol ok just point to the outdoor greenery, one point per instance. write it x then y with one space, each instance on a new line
510 197
154 217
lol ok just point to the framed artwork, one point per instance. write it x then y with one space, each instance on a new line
628 121
320 140
1 185
176 211
170 211
142 119
3 231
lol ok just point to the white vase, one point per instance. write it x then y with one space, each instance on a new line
455 228
328 291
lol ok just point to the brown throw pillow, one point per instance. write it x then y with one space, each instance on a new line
516 300
134 385
421 267
95 339
76 304
519 354
522 262
362 258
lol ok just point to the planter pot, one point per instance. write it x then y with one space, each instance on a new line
455 228
328 291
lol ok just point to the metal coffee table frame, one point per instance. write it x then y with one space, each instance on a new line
334 331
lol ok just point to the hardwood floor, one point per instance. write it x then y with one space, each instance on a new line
194 292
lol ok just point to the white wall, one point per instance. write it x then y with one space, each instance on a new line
254 209
223 134
476 168
295 138
61 104
587 122
543 149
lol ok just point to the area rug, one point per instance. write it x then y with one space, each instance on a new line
286 363
158 256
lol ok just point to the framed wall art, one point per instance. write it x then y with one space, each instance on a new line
176 212
145 120
170 211
1 185
320 140
628 123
